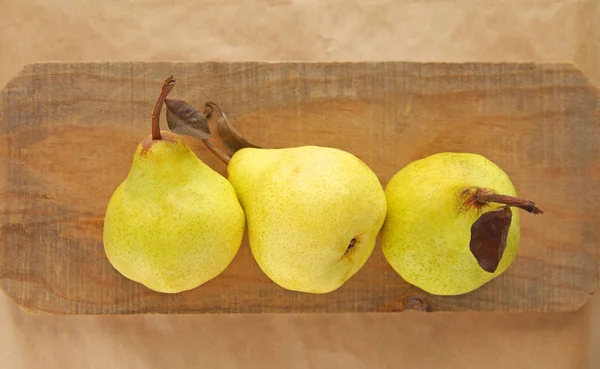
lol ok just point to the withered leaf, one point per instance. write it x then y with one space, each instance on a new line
185 119
232 140
488 237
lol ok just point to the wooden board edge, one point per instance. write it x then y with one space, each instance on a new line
28 67
35 311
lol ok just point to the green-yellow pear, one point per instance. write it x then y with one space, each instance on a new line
173 223
450 227
313 213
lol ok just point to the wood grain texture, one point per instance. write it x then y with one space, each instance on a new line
70 130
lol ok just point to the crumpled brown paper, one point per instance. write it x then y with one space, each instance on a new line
300 30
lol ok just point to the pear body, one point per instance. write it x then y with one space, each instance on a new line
427 231
173 223
313 213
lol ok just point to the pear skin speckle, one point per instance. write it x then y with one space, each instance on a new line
173 223
304 206
426 234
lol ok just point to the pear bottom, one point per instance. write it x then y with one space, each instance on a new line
312 266
172 245
427 232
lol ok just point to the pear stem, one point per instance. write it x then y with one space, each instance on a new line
218 153
483 196
225 158
166 88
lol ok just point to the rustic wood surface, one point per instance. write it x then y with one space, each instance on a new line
69 132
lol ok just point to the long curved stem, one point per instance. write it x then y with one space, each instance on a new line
166 88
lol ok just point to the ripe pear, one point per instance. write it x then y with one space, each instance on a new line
313 213
173 223
450 227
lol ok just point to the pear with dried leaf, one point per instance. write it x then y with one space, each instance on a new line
452 222
313 213
174 223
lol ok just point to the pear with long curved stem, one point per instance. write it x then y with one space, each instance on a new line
173 223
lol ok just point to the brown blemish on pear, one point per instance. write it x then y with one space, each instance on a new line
351 247
490 231
351 244
349 250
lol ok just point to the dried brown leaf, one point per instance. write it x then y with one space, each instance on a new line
488 237
185 119
232 140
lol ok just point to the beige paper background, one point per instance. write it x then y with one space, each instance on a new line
63 30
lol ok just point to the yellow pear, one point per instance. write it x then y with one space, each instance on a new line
173 223
313 213
450 228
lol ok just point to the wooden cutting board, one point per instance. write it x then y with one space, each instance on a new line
69 132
